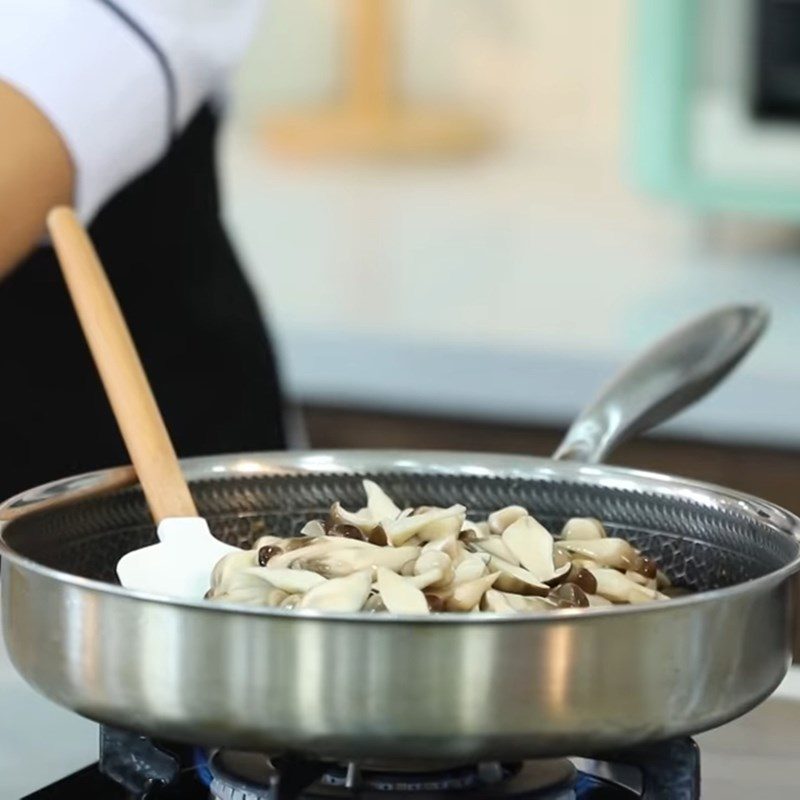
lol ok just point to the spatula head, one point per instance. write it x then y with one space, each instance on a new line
180 565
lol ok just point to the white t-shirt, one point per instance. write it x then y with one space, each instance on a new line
119 78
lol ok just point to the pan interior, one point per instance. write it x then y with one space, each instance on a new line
699 546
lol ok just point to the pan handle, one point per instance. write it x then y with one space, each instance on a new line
671 375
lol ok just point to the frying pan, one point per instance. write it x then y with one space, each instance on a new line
466 686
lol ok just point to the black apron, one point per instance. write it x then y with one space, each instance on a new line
191 313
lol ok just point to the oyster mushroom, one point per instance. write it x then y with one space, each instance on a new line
449 545
582 577
291 581
497 602
466 596
569 595
474 531
494 546
596 601
341 561
517 602
439 529
230 565
340 594
614 586
642 580
559 575
374 603
315 549
401 530
346 532
270 541
399 595
610 552
470 568
313 527
379 504
362 519
582 529
239 587
430 579
532 545
499 520
291 601
431 560
517 580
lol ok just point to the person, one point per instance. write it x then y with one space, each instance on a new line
114 107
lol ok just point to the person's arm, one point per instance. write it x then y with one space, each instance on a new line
35 174
92 93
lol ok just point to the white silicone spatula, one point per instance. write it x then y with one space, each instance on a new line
181 563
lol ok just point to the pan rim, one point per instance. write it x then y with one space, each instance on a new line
441 462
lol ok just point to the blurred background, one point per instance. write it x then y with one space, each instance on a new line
463 216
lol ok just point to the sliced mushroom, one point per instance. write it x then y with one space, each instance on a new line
340 594
399 595
466 596
582 577
583 529
569 595
374 603
527 603
497 602
449 526
645 594
614 586
435 560
362 519
270 541
340 531
291 581
494 546
610 552
474 531
499 520
239 587
637 577
449 545
317 549
343 561
266 552
313 527
646 566
560 556
291 601
400 530
560 575
430 579
379 504
532 545
595 601
231 565
517 580
470 568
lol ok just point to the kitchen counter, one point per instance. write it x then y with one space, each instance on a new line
507 288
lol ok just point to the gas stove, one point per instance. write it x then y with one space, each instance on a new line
132 767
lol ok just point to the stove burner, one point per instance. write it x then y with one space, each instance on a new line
249 776
133 767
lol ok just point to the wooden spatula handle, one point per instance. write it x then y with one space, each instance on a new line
125 382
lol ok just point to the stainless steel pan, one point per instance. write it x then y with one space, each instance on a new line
462 686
